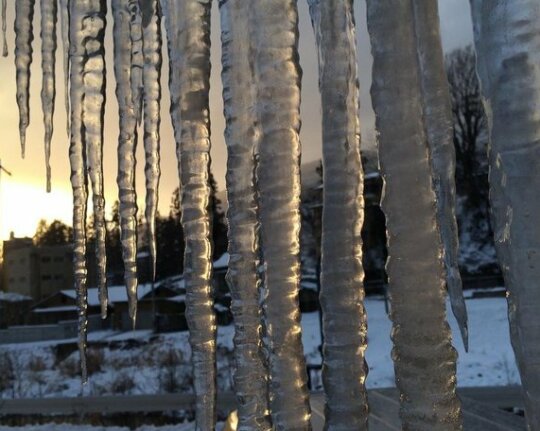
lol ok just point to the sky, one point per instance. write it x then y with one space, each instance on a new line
23 200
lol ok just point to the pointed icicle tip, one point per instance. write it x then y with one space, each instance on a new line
23 145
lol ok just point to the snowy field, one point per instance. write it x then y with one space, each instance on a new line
141 363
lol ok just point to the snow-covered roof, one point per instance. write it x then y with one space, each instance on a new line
116 294
371 175
13 297
178 298
222 262
56 309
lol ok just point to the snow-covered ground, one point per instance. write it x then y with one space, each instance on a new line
489 362
140 362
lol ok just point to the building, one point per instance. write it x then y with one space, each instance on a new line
37 272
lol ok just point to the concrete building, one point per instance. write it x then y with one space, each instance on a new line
37 272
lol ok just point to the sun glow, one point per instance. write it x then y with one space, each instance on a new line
22 205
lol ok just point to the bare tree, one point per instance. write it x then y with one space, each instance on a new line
470 140
470 124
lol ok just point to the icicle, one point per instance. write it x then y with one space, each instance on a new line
137 58
277 80
250 378
151 24
94 108
49 9
424 359
188 29
127 144
342 294
64 22
77 158
507 34
24 32
88 21
439 127
4 28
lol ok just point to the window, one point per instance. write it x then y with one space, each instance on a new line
45 259
58 259
46 277
58 277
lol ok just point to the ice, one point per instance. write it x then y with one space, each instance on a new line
507 34
24 36
64 22
438 118
342 294
424 358
4 28
49 9
87 29
137 58
274 34
152 41
250 378
188 32
123 11
94 24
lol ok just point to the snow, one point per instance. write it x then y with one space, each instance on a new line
116 294
145 364
13 297
222 262
55 309
489 362
178 298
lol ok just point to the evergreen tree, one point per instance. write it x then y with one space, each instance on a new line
56 233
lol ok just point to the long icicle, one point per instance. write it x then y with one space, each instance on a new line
274 29
4 29
24 35
49 9
342 294
91 39
424 359
123 11
507 36
250 378
439 126
64 22
77 158
188 29
137 59
152 41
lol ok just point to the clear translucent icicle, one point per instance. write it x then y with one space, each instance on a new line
437 108
152 41
93 116
77 159
250 378
123 11
342 294
4 29
24 36
49 9
88 21
188 29
64 22
424 359
507 37
137 59
277 80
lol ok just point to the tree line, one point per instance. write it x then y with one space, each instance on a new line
169 236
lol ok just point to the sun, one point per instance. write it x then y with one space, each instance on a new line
22 205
